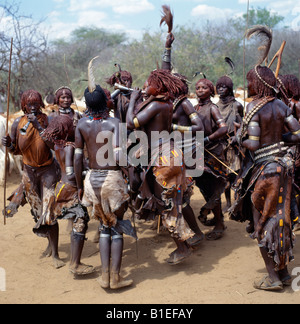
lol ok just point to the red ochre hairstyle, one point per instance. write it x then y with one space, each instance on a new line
60 130
265 83
166 83
31 97
118 76
292 85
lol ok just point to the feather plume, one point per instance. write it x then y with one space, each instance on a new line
197 73
230 63
119 66
266 34
167 17
91 77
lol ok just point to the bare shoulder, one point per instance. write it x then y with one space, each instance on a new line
16 123
251 105
215 109
157 107
187 105
281 104
83 121
17 120
238 104
114 120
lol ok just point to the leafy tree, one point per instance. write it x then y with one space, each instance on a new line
66 61
262 16
40 65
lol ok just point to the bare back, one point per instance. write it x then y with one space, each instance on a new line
97 134
157 116
271 119
271 122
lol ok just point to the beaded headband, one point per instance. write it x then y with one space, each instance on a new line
63 87
263 81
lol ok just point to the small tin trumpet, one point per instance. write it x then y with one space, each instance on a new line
23 130
120 87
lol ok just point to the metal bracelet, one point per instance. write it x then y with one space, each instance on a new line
79 151
167 55
296 132
182 129
136 122
254 138
193 116
69 171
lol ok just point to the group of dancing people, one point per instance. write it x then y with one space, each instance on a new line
252 151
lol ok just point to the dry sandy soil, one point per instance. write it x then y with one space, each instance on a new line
218 272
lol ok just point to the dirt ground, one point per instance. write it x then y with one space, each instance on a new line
218 272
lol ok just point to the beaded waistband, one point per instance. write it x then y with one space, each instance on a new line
270 150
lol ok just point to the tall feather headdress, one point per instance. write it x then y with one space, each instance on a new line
266 34
91 76
167 17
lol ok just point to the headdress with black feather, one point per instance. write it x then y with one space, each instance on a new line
229 61
266 34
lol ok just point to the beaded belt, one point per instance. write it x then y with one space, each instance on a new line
270 150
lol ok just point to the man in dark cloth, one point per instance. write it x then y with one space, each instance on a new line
232 112
265 180
213 181
61 133
164 181
41 170
104 188
185 119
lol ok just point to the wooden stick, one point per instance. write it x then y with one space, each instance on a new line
158 224
244 54
279 56
225 165
69 82
7 116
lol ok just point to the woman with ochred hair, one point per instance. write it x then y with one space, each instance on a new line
41 171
